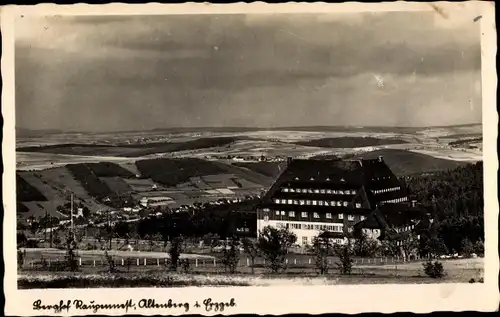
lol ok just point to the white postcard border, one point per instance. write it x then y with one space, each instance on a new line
268 300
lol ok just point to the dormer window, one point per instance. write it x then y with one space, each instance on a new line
353 192
296 178
342 180
358 205
347 192
311 179
327 203
283 201
328 179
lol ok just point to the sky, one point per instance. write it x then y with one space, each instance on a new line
112 73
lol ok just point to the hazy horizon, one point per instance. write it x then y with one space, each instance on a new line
138 73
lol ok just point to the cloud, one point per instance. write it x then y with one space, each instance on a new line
152 71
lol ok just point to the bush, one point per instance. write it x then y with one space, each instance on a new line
433 269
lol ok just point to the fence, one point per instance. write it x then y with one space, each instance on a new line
291 262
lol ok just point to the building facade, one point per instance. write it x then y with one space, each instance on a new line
337 196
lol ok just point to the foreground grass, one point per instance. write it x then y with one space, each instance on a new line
157 278
81 280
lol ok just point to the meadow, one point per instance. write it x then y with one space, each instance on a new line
457 271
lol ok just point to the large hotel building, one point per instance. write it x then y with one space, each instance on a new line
339 196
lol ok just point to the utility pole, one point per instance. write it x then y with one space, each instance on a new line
72 225
45 224
109 229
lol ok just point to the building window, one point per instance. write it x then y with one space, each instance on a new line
328 215
304 214
283 201
302 202
362 217
347 192
266 218
290 201
285 190
328 191
316 215
265 209
291 213
292 190
308 202
358 205
304 240
341 192
341 216
277 212
314 202
282 212
345 203
339 203
295 202
277 201
353 192
322 191
327 203
320 203
350 217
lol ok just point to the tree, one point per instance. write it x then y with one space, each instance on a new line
70 257
344 253
230 254
467 247
175 252
251 249
321 248
274 244
409 244
479 247
432 246
20 259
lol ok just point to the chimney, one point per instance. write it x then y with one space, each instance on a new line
380 159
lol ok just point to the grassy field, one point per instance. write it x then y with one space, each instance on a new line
457 271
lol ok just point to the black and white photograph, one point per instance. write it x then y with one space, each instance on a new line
239 149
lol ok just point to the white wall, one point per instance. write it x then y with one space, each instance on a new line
310 234
300 233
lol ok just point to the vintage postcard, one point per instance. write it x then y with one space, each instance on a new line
249 158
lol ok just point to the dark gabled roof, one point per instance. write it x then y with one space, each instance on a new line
389 216
322 170
361 175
